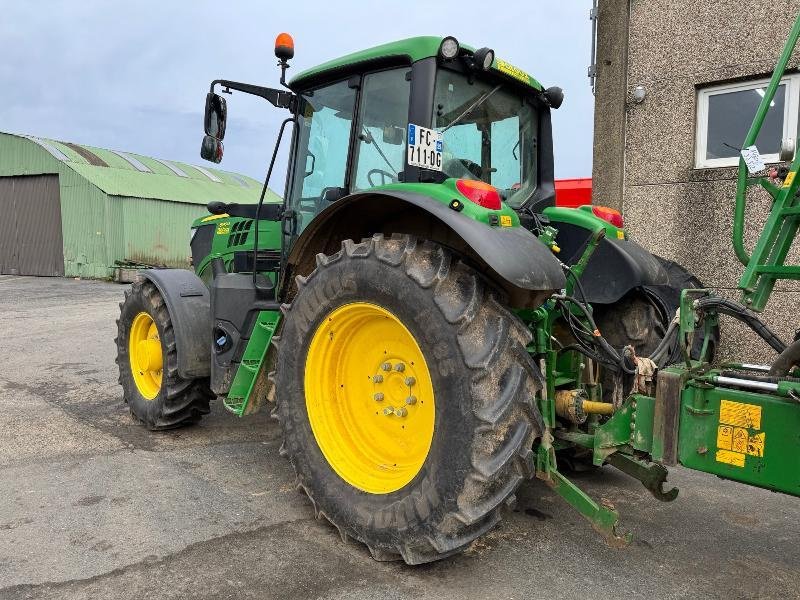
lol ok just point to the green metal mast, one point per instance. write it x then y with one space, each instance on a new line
766 265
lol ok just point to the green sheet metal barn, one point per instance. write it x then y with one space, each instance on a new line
75 210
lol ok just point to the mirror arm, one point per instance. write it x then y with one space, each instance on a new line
278 98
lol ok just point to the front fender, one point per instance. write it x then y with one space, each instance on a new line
189 304
511 256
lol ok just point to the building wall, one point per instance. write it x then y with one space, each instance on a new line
686 214
82 206
152 231
97 228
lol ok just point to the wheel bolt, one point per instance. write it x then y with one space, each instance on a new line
377 379
411 400
410 381
378 396
400 412
386 366
389 410
399 367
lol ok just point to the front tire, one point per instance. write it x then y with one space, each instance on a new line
370 305
148 363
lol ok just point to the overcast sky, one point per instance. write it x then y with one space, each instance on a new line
133 75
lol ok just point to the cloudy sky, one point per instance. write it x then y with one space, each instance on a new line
133 75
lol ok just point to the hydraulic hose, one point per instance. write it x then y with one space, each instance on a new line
739 312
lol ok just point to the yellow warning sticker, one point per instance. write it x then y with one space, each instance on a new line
505 221
739 414
755 444
512 71
730 458
739 442
789 179
735 436
224 228
724 437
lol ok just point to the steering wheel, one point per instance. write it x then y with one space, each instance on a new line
384 176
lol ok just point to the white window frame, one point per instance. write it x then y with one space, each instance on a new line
790 118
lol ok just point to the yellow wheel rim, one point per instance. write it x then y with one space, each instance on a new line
144 350
369 398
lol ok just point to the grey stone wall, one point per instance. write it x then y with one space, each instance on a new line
610 91
686 214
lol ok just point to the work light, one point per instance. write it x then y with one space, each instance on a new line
449 48
483 58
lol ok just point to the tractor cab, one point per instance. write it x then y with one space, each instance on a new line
359 121
420 110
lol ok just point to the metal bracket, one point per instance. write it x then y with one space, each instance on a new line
652 475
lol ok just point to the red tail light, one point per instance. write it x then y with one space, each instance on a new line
611 215
480 193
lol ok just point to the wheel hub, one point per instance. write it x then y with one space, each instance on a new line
146 356
369 398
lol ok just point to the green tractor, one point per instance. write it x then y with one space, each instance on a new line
424 322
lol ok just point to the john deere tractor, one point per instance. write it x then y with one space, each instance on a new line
428 328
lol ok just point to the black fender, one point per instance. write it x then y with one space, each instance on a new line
512 257
189 304
616 267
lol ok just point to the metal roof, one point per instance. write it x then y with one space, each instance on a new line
133 175
411 50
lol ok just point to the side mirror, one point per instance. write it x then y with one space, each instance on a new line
212 149
216 115
787 150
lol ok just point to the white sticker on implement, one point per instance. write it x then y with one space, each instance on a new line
752 158
424 147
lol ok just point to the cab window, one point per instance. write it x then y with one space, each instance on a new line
380 134
323 139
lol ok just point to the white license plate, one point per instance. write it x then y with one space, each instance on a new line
424 147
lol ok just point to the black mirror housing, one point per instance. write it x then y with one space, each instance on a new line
216 115
554 96
212 149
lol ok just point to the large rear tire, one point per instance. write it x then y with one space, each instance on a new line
423 482
148 363
641 318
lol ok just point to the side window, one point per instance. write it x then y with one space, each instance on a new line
324 129
506 153
381 134
724 114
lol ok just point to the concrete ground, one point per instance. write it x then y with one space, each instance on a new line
93 506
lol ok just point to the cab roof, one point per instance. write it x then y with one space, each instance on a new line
408 50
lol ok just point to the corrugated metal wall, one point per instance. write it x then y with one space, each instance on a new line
151 231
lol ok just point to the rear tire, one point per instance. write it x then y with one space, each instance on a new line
641 318
171 401
482 377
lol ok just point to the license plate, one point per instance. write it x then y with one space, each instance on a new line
424 147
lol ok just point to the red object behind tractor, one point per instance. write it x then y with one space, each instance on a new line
572 193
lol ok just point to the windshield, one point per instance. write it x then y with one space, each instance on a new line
489 133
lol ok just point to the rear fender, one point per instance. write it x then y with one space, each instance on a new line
512 257
189 304
616 267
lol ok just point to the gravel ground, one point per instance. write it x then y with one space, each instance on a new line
93 506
